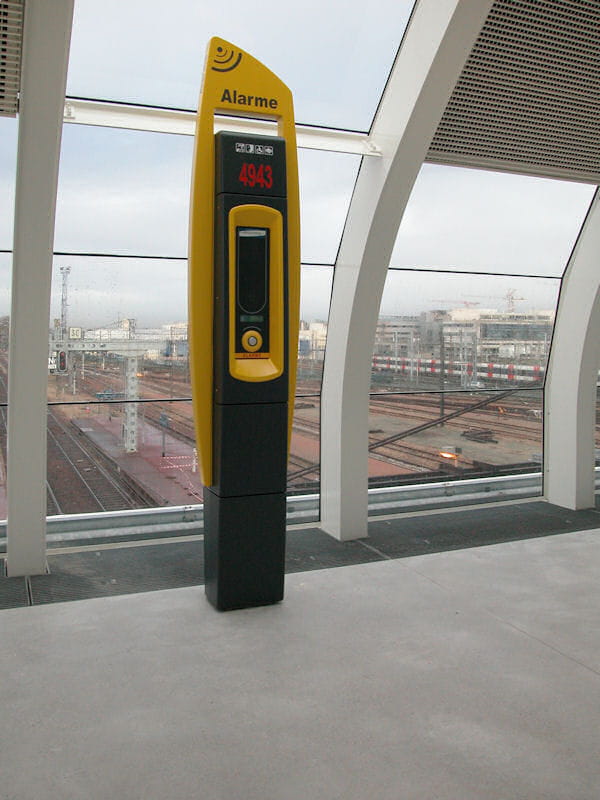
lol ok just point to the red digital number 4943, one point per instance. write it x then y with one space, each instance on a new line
252 175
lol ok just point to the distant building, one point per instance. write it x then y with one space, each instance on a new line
510 335
467 335
397 336
311 340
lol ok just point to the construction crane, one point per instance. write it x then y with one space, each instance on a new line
511 298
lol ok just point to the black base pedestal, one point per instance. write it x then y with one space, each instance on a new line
244 549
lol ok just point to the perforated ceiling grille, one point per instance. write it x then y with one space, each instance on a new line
528 99
11 35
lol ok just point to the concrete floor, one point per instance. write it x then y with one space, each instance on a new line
472 674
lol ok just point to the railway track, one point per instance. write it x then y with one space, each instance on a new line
71 487
78 482
302 472
181 425
415 459
306 427
159 385
453 399
165 387
409 458
493 419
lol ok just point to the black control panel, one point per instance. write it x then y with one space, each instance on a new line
252 279
250 171
250 165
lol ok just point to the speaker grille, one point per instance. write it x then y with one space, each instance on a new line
11 37
528 99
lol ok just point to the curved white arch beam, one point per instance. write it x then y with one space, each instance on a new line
436 45
46 39
570 396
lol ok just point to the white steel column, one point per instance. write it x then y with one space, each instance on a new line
437 43
47 33
570 397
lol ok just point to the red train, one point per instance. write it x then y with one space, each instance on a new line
482 372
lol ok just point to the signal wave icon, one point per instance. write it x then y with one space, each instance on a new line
226 60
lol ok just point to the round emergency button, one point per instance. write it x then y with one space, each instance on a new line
251 341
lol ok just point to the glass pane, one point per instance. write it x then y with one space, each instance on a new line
479 221
121 306
123 192
87 445
433 334
95 374
335 61
326 184
5 282
96 366
314 312
482 434
90 469
127 192
305 454
8 167
118 309
597 431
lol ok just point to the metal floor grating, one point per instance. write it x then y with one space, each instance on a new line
153 567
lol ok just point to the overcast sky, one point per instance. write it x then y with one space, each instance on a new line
125 192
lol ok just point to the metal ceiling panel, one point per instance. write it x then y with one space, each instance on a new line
528 99
11 37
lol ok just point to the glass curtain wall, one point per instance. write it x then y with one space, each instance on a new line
466 324
457 388
5 267
335 60
120 426
118 372
8 158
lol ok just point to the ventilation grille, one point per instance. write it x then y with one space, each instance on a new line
528 99
11 36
